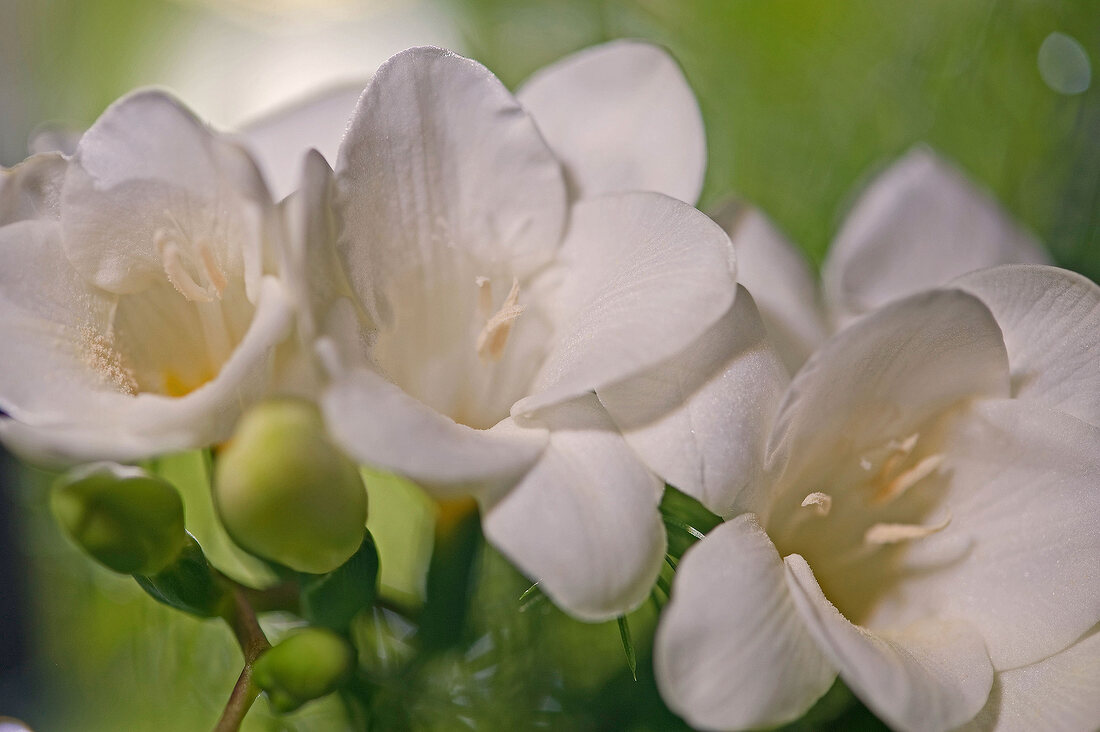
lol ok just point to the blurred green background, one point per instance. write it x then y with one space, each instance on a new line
802 99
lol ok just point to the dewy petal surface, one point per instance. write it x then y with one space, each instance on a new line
1051 323
1056 694
884 376
732 651
918 225
441 168
583 522
700 420
622 117
279 140
379 424
932 675
645 276
1019 559
780 281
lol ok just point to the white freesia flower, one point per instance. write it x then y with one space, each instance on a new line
919 224
139 315
483 304
929 529
641 131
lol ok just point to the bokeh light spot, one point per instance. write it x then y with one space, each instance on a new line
1064 64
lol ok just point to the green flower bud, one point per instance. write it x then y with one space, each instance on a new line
122 516
305 666
285 492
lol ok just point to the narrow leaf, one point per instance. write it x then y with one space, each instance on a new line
332 600
628 646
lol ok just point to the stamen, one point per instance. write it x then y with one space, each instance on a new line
484 296
174 269
893 533
819 503
900 451
494 336
907 479
213 271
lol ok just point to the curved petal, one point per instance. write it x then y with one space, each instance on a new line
380 425
32 189
884 376
324 301
701 418
49 370
440 162
932 675
646 275
128 428
1057 693
621 117
918 225
1019 559
51 138
279 140
127 186
780 281
1051 323
731 651
583 522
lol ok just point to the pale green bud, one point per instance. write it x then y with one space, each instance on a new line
306 666
284 491
122 516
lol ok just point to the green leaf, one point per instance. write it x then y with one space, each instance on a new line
628 647
686 520
332 600
188 584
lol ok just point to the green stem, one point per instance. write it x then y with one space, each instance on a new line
242 620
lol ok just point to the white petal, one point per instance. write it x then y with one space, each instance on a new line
918 225
932 675
780 281
128 428
48 365
700 419
1058 694
441 165
148 165
646 276
884 376
1019 558
583 522
324 301
1051 323
54 139
382 426
32 189
279 140
622 117
732 651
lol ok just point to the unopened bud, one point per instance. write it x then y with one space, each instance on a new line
122 516
284 491
305 666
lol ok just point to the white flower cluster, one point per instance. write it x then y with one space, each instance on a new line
511 297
